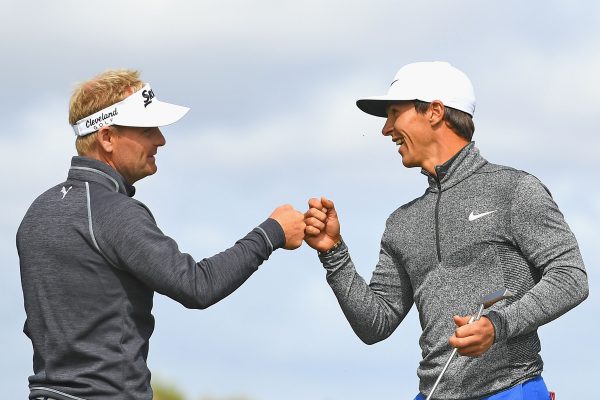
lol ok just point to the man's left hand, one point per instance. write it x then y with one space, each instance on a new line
472 339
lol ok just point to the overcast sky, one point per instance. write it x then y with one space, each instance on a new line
272 88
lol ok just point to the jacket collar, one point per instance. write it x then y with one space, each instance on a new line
89 169
455 170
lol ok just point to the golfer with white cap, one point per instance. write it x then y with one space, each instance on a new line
92 257
478 227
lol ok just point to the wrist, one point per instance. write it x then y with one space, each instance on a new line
332 248
496 320
273 232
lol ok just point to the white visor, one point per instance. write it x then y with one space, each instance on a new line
141 109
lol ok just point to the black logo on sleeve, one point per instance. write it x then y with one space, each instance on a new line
148 95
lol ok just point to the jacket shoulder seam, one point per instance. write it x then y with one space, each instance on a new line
91 225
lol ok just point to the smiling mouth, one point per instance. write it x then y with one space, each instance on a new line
399 141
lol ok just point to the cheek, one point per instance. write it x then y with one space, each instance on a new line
140 152
398 125
402 122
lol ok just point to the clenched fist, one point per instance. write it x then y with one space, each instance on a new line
322 225
472 339
292 223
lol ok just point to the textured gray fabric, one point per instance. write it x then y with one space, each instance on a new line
91 259
446 266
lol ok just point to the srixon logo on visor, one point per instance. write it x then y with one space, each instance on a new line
148 95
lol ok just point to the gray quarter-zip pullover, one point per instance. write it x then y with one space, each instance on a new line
91 259
479 227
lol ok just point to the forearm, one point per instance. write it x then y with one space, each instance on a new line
373 311
156 260
216 277
560 289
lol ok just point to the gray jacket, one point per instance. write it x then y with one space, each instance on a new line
91 259
477 228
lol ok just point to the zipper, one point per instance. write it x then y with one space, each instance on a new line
437 219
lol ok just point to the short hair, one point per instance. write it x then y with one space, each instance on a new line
459 121
102 91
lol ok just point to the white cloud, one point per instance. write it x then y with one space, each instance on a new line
286 27
328 130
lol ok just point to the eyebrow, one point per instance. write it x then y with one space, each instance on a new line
390 108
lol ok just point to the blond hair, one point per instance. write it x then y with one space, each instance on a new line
102 91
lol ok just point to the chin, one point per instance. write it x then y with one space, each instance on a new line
146 173
151 168
408 163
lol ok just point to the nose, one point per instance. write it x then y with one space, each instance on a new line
160 139
388 127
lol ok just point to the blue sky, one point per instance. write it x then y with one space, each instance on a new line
272 88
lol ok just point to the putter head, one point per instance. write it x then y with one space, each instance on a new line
495 297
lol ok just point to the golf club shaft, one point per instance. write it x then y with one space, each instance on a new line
439 378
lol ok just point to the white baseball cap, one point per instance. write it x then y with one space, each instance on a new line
425 81
141 109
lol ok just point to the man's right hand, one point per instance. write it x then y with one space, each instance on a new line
292 223
322 225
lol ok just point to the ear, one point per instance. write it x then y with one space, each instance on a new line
436 112
106 139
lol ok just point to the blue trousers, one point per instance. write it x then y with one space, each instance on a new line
533 389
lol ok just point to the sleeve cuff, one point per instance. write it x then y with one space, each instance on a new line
497 321
273 234
334 252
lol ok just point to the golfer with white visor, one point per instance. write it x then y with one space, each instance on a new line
478 228
92 256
